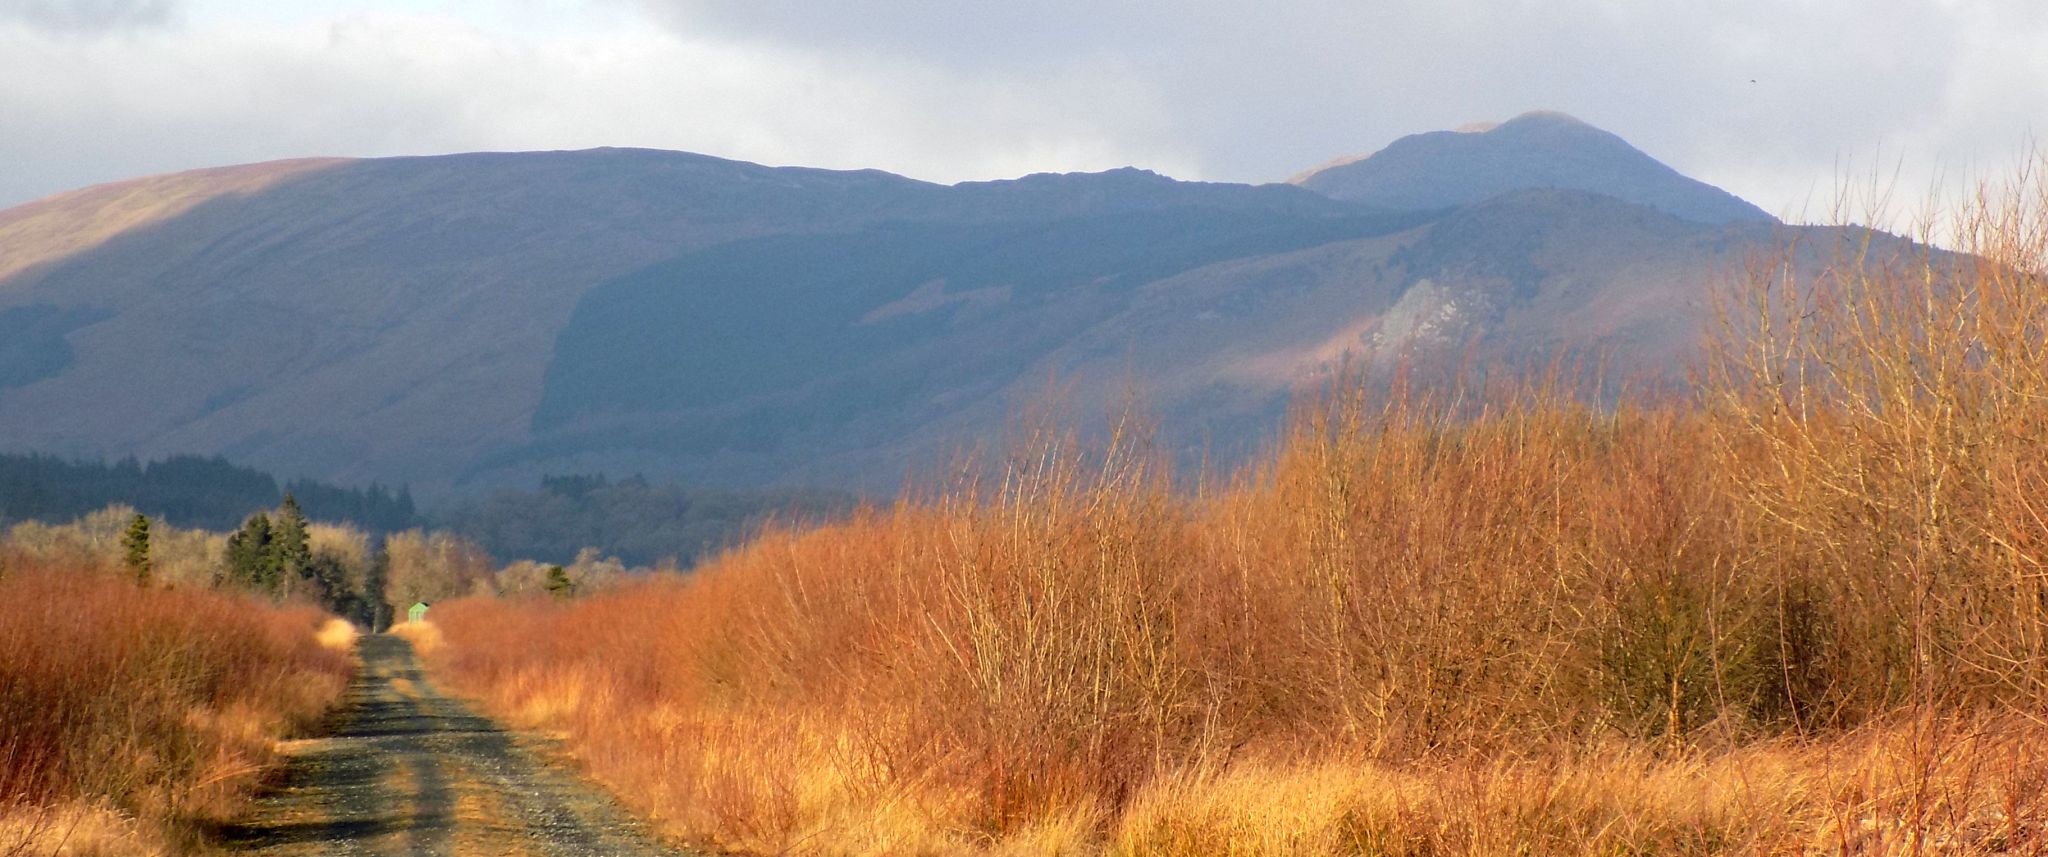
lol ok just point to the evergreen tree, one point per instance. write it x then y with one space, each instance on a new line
325 579
135 543
250 556
559 584
291 549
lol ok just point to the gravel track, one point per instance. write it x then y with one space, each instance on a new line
404 770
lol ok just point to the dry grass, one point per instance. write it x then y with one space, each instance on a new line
1868 792
131 718
1804 610
78 829
337 635
425 637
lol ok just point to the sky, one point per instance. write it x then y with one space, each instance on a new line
1777 101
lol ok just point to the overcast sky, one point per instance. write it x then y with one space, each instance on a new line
1766 98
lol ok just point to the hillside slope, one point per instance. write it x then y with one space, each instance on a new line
914 339
468 321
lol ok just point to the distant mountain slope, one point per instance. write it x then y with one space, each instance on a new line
51 229
1445 169
392 319
763 352
468 322
1219 350
370 319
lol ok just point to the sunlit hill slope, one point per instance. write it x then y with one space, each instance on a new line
464 321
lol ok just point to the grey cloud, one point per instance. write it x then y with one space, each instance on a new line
89 17
975 33
1760 96
1752 93
82 111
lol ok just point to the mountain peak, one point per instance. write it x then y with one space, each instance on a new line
1552 118
1118 175
1538 149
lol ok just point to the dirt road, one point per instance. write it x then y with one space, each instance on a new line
407 771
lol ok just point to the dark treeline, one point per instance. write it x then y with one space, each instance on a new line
187 490
376 508
638 522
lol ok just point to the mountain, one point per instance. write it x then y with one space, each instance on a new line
469 322
1445 169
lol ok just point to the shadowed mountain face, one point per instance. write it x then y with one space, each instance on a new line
471 321
806 347
1535 150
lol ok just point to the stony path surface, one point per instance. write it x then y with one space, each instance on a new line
408 771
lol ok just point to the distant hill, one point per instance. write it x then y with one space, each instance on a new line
1445 169
466 323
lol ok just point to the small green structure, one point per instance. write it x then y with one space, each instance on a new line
417 613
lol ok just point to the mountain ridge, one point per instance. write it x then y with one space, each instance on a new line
1538 149
473 321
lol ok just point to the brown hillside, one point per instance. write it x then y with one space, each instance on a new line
465 321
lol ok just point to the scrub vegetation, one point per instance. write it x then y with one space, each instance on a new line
1801 607
148 672
134 717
